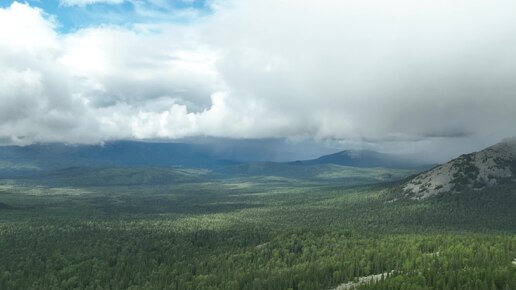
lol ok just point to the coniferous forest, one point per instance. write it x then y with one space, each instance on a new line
253 233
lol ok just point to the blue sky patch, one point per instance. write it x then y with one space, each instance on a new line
127 13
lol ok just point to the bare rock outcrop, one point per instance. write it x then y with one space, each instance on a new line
474 171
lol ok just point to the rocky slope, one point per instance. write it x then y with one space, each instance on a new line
475 171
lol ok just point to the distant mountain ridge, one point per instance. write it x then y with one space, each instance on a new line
113 154
56 160
366 159
475 171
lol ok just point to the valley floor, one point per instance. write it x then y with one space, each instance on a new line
244 233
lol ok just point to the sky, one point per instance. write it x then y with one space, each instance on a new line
435 78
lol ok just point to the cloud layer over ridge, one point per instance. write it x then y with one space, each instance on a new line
361 72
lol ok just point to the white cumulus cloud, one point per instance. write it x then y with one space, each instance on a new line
375 73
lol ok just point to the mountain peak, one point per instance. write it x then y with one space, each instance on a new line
474 171
367 159
507 146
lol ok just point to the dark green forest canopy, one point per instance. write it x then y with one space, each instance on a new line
252 233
